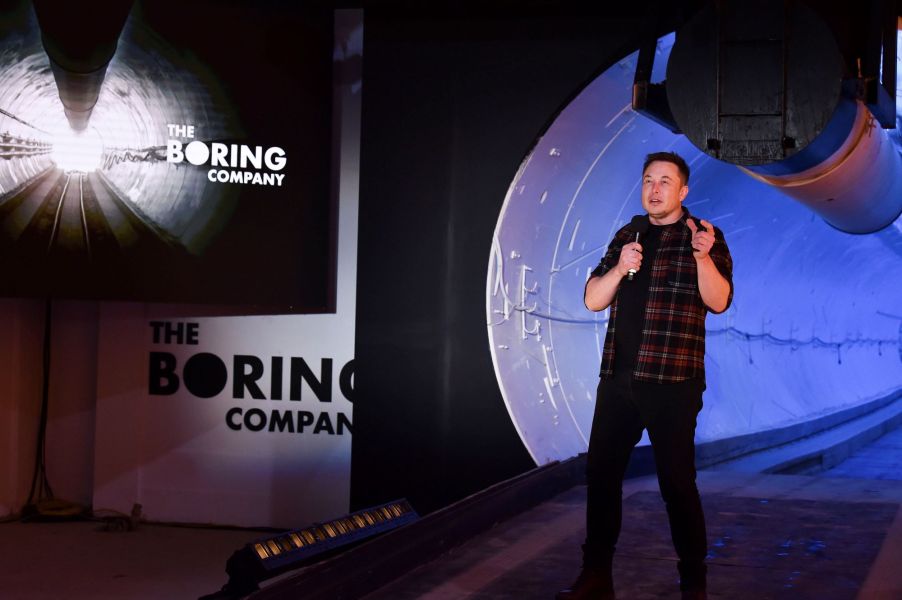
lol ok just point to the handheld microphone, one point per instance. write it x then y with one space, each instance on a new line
639 224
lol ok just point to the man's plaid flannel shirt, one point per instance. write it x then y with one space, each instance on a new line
672 347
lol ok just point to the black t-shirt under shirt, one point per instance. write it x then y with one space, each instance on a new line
631 301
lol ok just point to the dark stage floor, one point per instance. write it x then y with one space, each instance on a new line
771 536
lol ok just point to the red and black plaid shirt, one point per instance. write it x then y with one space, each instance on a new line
672 347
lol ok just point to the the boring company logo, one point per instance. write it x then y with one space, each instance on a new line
205 375
230 163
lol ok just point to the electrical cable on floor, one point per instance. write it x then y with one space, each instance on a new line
41 503
114 520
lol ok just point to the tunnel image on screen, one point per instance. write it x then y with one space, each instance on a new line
816 322
173 152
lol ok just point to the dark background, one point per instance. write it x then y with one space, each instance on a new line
453 101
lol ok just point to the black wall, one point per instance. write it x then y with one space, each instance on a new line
452 104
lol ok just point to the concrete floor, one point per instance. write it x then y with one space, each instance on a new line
881 459
771 536
833 535
77 561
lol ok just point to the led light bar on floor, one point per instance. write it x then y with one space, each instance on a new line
270 556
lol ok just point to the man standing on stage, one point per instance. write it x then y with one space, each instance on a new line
653 370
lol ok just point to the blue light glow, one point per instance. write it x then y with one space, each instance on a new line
814 327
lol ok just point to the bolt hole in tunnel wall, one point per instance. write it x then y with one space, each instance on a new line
167 151
815 325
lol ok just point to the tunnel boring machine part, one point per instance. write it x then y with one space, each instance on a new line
80 39
767 86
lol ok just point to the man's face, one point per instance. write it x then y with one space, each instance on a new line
663 192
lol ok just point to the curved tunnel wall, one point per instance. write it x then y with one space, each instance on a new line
18 60
814 327
147 86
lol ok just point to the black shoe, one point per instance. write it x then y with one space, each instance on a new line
592 584
693 576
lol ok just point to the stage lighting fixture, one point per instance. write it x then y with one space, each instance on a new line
267 557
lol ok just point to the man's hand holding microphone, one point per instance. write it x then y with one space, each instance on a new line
630 260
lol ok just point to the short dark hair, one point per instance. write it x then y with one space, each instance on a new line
671 157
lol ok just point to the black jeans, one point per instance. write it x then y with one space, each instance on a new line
624 408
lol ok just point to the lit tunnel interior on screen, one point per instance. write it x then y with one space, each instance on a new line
108 188
816 322
189 168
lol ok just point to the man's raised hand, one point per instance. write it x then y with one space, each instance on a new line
702 239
